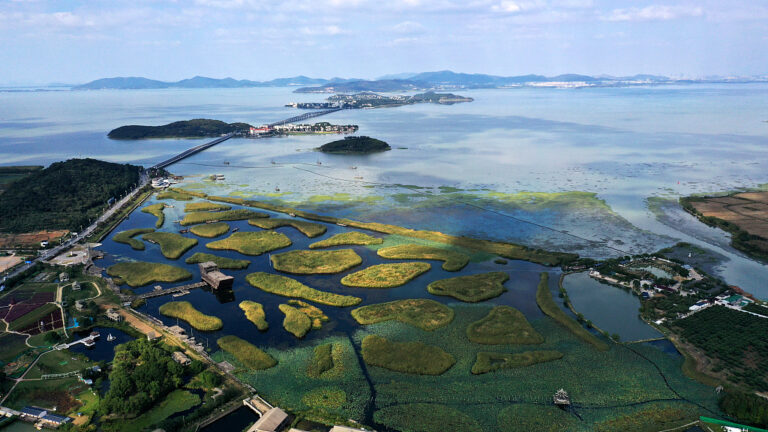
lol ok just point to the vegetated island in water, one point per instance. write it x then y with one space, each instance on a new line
375 100
196 128
355 145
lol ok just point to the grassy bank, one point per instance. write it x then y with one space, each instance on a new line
309 229
252 243
503 325
210 230
550 308
472 288
185 311
385 275
407 357
174 195
246 353
140 273
422 313
157 211
506 250
255 314
127 237
352 238
104 228
227 215
172 245
452 261
491 361
288 287
176 401
295 322
315 262
222 262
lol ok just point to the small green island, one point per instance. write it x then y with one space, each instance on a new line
195 128
355 145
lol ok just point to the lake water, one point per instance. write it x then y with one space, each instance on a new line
103 350
624 144
610 308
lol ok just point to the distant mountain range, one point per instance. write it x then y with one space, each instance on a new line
398 82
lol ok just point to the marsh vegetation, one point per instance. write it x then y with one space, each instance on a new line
251 243
140 273
172 245
255 314
215 216
503 325
491 361
184 310
210 230
472 288
385 275
222 262
406 357
246 353
452 260
127 237
288 287
315 262
157 211
422 313
295 322
309 229
353 238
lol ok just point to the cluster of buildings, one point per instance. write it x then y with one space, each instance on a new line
289 128
162 182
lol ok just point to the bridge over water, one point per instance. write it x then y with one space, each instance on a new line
197 149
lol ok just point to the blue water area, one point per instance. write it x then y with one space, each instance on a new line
610 308
235 421
103 350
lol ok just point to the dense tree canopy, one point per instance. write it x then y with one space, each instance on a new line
64 195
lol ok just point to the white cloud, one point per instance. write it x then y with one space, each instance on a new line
330 30
654 13
408 27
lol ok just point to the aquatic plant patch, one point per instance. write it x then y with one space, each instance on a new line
503 325
157 211
127 237
406 357
309 229
205 206
452 261
222 262
140 273
255 314
426 417
422 313
172 245
313 312
251 243
315 262
246 353
227 215
472 288
386 275
288 287
185 311
347 238
295 322
210 230
491 361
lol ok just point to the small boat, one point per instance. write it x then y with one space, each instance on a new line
292 214
353 167
110 338
319 163
212 221
158 287
177 221
273 162
277 189
235 229
358 177
341 224
184 231
226 163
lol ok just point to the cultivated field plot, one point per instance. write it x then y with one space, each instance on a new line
749 211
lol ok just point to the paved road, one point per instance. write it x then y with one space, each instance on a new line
50 253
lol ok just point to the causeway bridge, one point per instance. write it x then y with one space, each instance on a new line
173 290
197 149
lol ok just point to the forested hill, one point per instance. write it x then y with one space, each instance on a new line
196 128
64 195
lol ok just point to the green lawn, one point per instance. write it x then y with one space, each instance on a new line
347 238
422 313
140 273
315 262
252 243
472 288
176 401
127 237
385 275
12 346
172 245
55 362
288 287
452 260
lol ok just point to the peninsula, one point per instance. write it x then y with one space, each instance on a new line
196 128
375 100
355 145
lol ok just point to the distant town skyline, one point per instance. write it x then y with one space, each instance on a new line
78 41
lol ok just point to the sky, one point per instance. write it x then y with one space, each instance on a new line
67 41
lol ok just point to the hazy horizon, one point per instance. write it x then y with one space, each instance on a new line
79 41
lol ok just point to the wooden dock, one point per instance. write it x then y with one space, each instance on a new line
162 292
